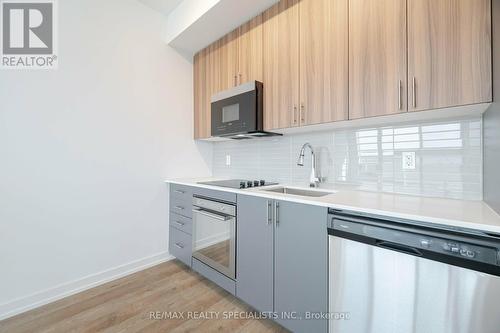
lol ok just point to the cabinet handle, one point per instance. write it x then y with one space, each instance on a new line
269 213
414 89
295 114
180 246
240 76
179 191
400 106
302 109
235 80
179 207
277 213
179 223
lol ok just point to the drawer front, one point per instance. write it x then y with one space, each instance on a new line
181 192
216 195
181 223
180 245
181 206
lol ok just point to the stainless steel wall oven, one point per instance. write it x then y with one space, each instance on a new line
214 234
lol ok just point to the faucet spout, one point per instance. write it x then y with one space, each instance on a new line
314 180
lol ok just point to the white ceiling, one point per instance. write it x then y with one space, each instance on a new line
194 24
163 6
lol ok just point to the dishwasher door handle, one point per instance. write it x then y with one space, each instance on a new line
399 248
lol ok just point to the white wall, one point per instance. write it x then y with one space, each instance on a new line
84 151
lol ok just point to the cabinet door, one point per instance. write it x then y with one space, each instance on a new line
228 62
449 53
377 57
201 89
213 83
323 61
281 65
254 261
214 72
301 267
250 53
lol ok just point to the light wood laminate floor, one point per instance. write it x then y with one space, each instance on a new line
127 304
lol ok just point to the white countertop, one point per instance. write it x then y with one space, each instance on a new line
457 213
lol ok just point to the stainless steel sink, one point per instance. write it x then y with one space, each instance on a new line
298 191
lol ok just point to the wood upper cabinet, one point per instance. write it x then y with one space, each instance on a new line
377 57
228 62
281 65
201 110
240 55
250 53
234 59
449 53
324 71
328 60
209 78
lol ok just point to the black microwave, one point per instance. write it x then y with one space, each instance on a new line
238 113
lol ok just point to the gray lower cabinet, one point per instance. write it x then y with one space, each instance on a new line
255 251
301 266
181 223
282 262
180 245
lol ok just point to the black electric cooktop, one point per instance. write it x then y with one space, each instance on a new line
238 183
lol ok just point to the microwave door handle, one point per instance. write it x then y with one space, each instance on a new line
212 215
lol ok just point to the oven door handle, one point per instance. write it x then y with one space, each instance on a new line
212 215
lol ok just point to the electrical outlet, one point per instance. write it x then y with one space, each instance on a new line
409 161
228 160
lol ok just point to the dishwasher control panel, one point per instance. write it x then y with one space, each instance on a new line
463 250
416 240
459 249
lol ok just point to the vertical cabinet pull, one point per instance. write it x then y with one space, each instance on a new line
414 90
295 114
235 80
239 76
302 116
277 213
269 213
400 105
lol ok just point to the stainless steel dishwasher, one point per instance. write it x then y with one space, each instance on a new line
396 276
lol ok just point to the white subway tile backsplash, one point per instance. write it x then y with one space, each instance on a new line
448 158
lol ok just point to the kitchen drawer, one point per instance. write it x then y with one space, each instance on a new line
182 207
181 223
181 192
180 245
215 195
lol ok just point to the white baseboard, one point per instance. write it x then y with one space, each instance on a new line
58 292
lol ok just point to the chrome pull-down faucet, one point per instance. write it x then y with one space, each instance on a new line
314 179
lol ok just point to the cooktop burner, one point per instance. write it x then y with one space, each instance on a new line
238 183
